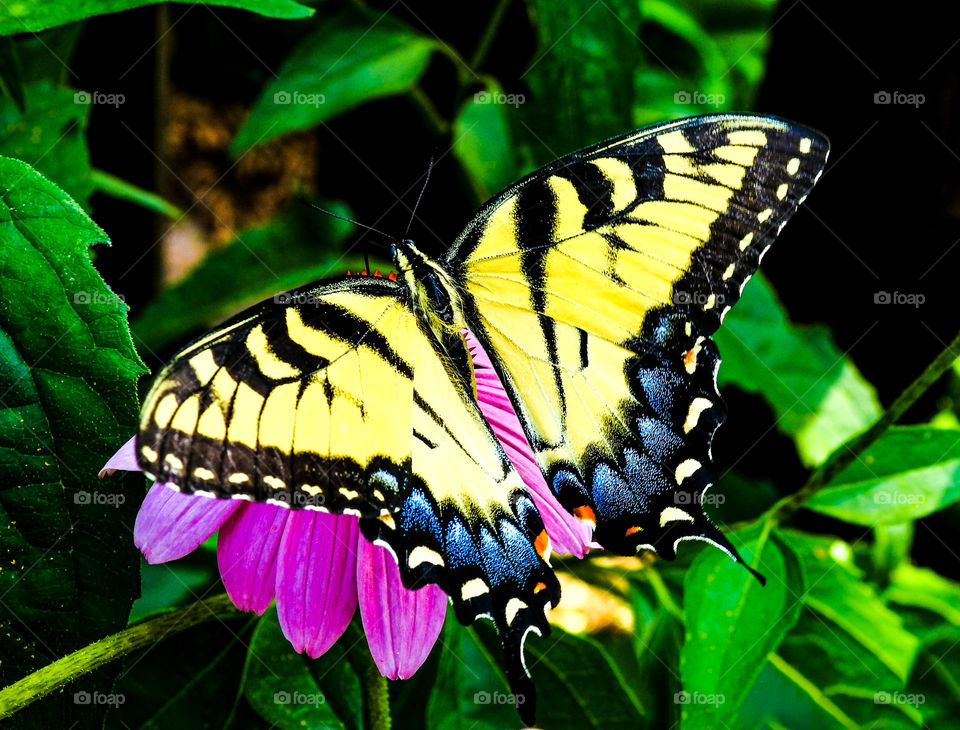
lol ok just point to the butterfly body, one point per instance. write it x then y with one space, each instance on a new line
594 285
434 294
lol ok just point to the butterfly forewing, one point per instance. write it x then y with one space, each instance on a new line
338 399
597 282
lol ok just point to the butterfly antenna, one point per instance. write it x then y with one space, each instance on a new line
344 218
420 196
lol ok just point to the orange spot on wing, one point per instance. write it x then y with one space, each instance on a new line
585 514
540 587
542 543
689 358
392 275
632 530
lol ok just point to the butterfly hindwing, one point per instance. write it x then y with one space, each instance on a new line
596 283
337 399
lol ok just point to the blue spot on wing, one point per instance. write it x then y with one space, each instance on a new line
460 548
418 515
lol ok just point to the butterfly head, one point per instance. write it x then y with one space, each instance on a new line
432 290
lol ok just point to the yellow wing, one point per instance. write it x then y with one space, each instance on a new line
595 284
339 400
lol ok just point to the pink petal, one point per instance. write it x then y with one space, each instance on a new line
401 625
124 460
317 578
568 535
247 554
171 524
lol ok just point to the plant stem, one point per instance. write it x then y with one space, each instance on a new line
661 591
377 701
124 190
434 118
66 669
489 33
842 457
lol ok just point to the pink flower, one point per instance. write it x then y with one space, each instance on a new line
318 566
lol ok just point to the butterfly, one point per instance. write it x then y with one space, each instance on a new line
594 284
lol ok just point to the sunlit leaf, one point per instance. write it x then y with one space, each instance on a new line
33 15
911 585
482 140
349 59
733 623
817 395
837 593
908 473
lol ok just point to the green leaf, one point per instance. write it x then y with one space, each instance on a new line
582 75
11 73
658 637
923 588
784 698
349 59
470 690
68 372
298 248
280 686
43 55
482 141
578 685
910 472
935 681
846 671
33 15
711 90
167 585
188 681
733 623
49 136
817 394
838 595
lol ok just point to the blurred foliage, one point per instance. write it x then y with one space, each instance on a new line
848 631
